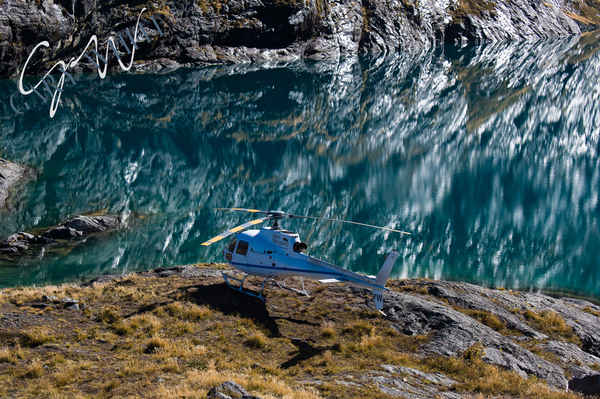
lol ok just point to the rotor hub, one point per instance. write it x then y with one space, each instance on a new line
276 214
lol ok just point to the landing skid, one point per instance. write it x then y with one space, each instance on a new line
240 288
297 291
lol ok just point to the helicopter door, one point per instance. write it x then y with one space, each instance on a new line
242 248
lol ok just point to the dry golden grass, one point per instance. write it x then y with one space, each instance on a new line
358 328
551 323
109 315
197 383
147 324
7 355
188 311
66 373
35 369
161 339
486 318
591 311
477 376
256 340
579 18
36 336
328 330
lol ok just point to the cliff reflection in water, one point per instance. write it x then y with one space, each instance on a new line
487 154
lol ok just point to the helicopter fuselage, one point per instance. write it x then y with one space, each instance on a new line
274 253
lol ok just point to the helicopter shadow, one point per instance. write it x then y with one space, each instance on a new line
305 351
230 302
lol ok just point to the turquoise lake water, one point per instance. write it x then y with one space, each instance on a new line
488 155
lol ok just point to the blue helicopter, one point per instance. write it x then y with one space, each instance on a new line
272 253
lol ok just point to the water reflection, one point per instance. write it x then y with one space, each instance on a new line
488 154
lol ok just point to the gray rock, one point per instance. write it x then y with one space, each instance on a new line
93 224
73 306
502 303
452 333
21 243
101 279
405 382
434 378
229 390
50 299
471 296
570 353
62 233
10 175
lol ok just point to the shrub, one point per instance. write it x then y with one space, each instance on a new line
359 328
154 344
188 311
7 356
550 323
487 318
327 330
256 340
34 370
36 336
109 315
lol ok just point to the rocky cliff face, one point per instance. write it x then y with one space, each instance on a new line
241 31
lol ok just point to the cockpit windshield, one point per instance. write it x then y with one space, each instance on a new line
299 247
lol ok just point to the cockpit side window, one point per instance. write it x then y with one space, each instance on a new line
299 247
242 248
232 245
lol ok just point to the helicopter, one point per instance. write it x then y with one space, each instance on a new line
273 252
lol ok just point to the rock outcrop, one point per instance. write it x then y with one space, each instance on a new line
74 229
229 390
10 175
454 332
457 316
269 31
331 344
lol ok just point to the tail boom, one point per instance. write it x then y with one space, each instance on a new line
375 284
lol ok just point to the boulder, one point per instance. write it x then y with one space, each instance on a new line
229 390
93 224
10 175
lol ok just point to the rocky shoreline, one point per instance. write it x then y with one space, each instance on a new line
437 339
274 31
70 232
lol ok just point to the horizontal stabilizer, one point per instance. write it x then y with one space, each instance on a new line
329 281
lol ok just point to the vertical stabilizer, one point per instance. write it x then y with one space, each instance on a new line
386 269
381 279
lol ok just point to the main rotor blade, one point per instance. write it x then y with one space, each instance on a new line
279 214
241 210
236 229
351 222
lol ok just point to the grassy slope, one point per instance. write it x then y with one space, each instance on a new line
178 337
